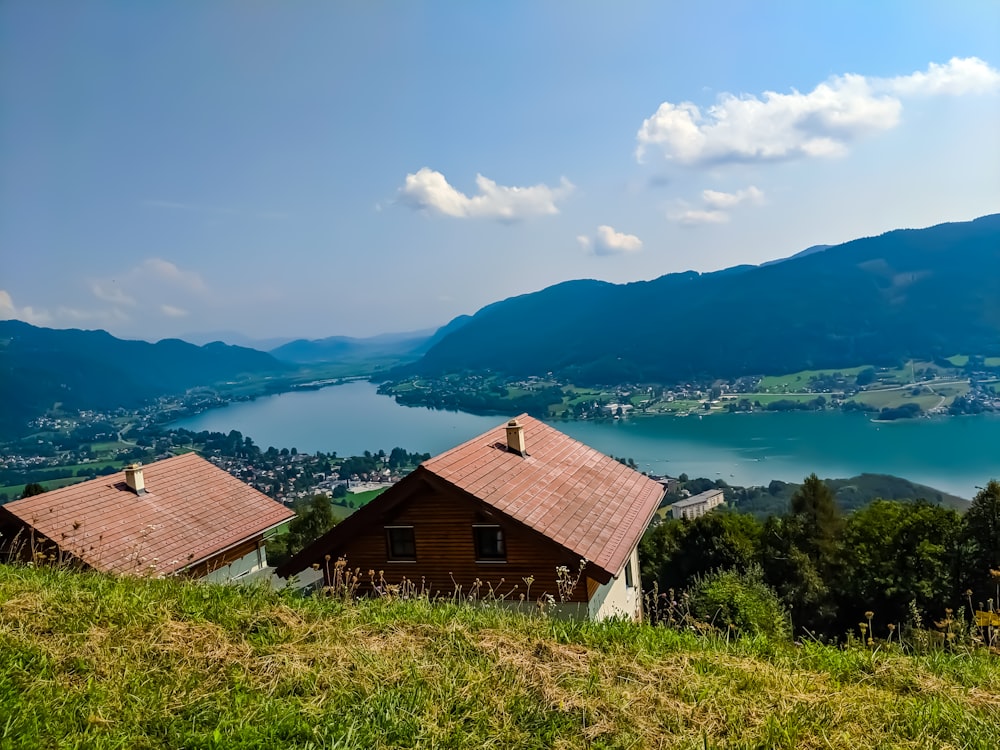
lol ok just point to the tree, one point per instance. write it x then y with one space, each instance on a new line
982 540
799 554
32 489
677 551
819 522
311 521
795 576
895 553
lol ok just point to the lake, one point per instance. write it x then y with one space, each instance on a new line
951 454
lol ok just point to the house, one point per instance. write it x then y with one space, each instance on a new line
509 506
180 516
697 505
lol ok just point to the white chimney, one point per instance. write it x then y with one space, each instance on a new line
515 437
134 480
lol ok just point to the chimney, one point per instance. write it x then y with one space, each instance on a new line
515 437
134 480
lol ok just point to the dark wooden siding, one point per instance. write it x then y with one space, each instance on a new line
442 528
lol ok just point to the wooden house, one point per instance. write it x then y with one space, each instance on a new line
510 506
180 516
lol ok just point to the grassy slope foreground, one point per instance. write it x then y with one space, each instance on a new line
93 661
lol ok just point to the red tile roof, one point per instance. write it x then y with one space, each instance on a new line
589 503
190 511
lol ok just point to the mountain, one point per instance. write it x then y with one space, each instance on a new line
800 254
348 349
234 338
95 370
922 293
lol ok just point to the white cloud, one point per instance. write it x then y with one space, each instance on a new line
9 311
428 190
956 77
62 315
166 271
111 292
609 242
173 312
716 206
823 122
716 199
100 317
694 217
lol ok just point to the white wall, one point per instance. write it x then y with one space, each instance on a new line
250 563
617 599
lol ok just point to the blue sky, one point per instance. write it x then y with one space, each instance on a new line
324 168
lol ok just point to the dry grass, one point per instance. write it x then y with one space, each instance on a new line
97 662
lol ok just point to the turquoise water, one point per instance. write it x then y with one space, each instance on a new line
951 454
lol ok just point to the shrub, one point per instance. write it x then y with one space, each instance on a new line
739 599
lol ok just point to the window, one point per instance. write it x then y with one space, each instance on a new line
629 582
489 543
400 543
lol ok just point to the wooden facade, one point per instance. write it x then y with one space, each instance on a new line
444 522
522 502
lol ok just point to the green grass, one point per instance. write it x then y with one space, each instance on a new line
770 398
363 498
881 399
15 491
959 360
110 445
92 661
798 381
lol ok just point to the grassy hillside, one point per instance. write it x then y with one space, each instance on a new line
91 661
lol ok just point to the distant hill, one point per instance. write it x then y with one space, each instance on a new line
341 349
851 494
234 338
879 300
95 370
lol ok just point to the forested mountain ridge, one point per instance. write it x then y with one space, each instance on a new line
94 370
922 293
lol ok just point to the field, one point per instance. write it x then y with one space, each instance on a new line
798 381
891 398
356 499
96 662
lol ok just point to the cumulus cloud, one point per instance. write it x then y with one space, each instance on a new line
695 216
110 291
609 242
716 205
716 199
428 190
10 311
823 122
61 315
166 271
957 77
